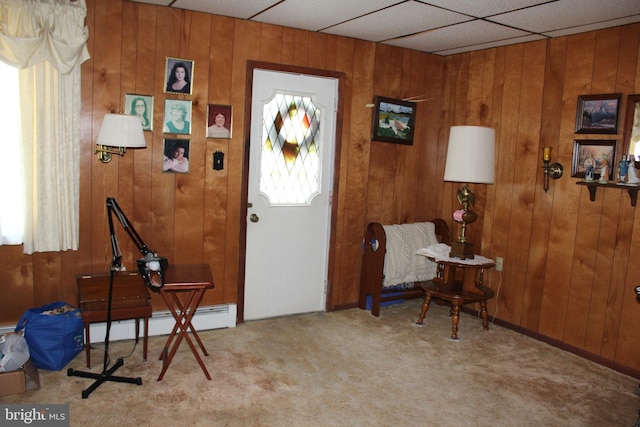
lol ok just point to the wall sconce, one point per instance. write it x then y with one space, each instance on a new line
470 159
119 132
553 170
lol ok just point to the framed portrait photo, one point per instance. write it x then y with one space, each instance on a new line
140 106
178 75
590 155
598 113
177 117
175 157
393 120
219 121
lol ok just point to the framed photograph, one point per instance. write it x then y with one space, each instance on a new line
589 156
177 116
219 121
598 113
393 120
176 156
178 75
141 106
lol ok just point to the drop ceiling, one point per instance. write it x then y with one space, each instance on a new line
442 27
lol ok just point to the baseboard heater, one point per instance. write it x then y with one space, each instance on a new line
161 322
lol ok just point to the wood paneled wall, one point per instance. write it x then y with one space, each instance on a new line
569 264
569 269
196 217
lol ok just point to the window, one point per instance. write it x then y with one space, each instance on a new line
290 166
11 178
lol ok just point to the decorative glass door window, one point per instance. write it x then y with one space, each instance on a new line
290 163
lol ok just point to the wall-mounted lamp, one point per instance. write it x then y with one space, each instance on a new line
553 170
119 132
470 159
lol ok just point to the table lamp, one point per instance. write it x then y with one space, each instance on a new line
470 159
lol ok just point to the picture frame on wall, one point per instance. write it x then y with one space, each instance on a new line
598 113
140 106
175 157
219 120
178 75
393 120
592 154
177 116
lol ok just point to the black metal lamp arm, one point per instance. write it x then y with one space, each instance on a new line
151 267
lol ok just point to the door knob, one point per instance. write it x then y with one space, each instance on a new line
254 218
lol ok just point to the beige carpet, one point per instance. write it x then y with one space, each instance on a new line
349 368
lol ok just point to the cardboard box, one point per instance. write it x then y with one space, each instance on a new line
20 380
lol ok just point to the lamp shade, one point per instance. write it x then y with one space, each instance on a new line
470 156
119 130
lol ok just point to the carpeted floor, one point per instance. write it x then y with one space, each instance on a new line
349 368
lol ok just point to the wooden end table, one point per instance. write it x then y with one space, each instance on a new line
449 285
130 300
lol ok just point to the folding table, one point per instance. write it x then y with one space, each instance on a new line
183 290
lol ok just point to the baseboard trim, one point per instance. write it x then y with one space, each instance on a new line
207 317
562 346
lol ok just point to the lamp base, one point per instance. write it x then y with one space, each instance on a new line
462 250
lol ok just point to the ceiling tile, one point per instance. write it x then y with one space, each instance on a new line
568 13
506 42
593 27
411 17
483 8
156 2
438 26
316 15
456 36
244 9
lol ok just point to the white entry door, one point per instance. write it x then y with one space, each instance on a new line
291 160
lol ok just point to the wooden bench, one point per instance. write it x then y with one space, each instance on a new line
372 274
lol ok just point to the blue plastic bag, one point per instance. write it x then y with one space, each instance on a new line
54 333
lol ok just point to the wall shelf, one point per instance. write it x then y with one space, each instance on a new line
593 186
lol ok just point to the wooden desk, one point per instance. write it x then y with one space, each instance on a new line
189 281
448 285
130 300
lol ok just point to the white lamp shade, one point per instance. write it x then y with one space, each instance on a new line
470 156
119 130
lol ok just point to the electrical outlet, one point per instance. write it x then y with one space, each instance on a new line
499 263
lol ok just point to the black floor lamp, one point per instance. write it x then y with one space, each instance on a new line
151 267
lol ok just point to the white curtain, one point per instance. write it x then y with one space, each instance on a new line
46 39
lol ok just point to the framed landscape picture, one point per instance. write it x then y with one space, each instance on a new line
598 113
393 120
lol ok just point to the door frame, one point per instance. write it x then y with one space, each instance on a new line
242 244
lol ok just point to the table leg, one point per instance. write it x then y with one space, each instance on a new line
183 322
173 303
193 300
196 304
145 339
425 307
87 344
485 315
137 330
455 318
